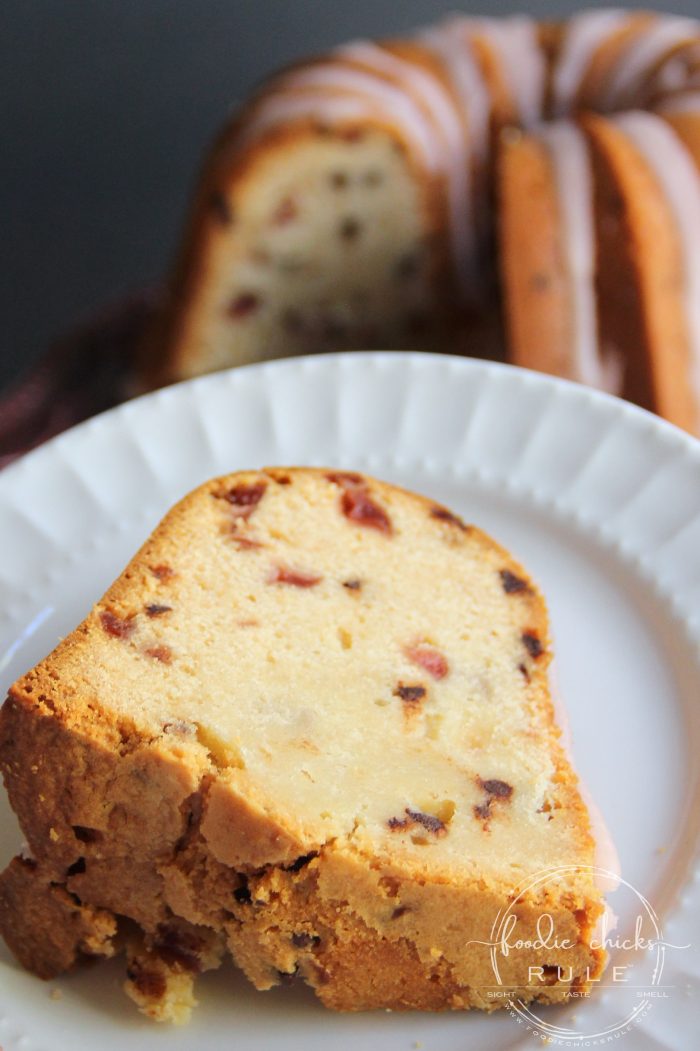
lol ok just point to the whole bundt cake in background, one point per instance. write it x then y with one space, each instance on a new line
371 197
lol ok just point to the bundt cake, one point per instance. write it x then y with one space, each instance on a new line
416 193
310 724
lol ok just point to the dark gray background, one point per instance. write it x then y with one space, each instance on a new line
107 106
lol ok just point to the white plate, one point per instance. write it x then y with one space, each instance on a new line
600 500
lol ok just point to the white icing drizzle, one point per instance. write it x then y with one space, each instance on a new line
675 170
456 54
410 76
442 109
677 73
525 67
412 98
448 129
571 163
280 107
583 36
380 96
515 40
641 55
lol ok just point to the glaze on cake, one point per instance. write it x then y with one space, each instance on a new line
371 198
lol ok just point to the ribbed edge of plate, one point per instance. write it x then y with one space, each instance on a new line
614 473
600 463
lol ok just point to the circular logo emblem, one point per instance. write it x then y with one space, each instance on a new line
632 980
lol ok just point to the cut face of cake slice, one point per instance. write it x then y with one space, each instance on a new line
310 723
321 222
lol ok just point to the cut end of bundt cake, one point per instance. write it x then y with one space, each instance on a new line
367 199
310 723
329 247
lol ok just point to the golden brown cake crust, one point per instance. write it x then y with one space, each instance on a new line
640 280
161 823
48 929
534 275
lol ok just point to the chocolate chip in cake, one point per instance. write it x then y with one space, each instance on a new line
497 789
155 609
429 822
302 940
532 644
397 823
349 229
410 695
512 584
443 515
400 911
353 585
496 792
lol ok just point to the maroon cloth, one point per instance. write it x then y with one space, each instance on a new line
86 372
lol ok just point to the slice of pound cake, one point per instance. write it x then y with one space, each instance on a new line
309 725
